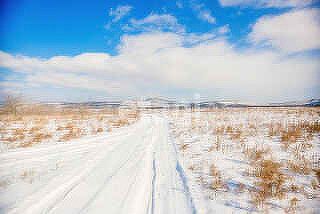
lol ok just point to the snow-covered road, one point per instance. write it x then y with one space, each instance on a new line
133 170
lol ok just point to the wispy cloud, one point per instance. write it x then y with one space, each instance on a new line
179 4
119 12
155 22
203 13
224 29
294 31
267 3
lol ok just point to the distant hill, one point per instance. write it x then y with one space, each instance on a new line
313 102
162 102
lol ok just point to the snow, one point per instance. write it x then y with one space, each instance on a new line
197 139
161 164
134 170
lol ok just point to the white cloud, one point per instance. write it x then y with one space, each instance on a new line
119 12
179 4
149 63
224 29
148 43
203 13
267 3
294 31
193 39
155 22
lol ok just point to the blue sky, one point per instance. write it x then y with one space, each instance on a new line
228 49
49 28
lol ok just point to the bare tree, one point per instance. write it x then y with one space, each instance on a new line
11 104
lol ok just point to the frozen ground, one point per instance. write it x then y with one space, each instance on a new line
133 170
179 161
50 125
250 160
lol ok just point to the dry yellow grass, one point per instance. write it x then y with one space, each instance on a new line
279 146
270 182
255 154
24 125
39 137
300 166
184 146
73 132
217 181
317 174
293 205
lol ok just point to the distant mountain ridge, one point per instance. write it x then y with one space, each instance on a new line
313 102
163 102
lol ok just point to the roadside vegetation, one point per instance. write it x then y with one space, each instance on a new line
24 124
252 159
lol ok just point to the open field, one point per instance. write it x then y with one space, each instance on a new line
33 124
160 107
235 160
251 159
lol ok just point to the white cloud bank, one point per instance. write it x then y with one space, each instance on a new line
151 63
267 3
294 31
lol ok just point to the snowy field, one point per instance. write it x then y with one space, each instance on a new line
34 124
232 160
244 160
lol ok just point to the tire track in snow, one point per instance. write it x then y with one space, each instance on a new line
114 173
46 200
138 173
85 207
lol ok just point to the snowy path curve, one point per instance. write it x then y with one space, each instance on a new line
135 170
